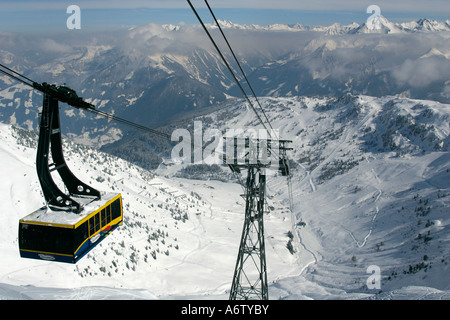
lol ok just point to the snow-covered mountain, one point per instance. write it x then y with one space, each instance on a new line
426 25
169 71
179 238
383 26
370 182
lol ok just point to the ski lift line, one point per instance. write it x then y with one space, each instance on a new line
35 85
226 64
232 73
16 78
238 63
129 123
20 75
248 83
240 67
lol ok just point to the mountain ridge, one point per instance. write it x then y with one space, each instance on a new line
420 25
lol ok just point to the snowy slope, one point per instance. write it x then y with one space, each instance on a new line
179 239
370 187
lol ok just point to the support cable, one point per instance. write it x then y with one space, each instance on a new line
226 64
239 65
34 85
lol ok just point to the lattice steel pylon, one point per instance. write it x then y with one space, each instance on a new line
250 274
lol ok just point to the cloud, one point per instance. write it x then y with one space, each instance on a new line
50 45
422 72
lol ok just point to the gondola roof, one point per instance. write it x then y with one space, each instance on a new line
46 215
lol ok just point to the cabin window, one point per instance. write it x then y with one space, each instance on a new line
46 239
115 209
103 215
81 234
108 214
91 226
97 222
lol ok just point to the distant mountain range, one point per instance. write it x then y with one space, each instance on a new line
386 26
157 74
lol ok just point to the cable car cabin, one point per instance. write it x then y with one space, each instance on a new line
66 236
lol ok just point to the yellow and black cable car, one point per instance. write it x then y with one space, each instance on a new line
65 236
72 223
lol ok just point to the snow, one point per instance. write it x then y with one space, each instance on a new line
200 265
360 198
84 293
89 205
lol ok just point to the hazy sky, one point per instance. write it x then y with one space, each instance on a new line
27 15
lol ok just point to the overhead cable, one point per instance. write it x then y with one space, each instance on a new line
227 64
239 65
